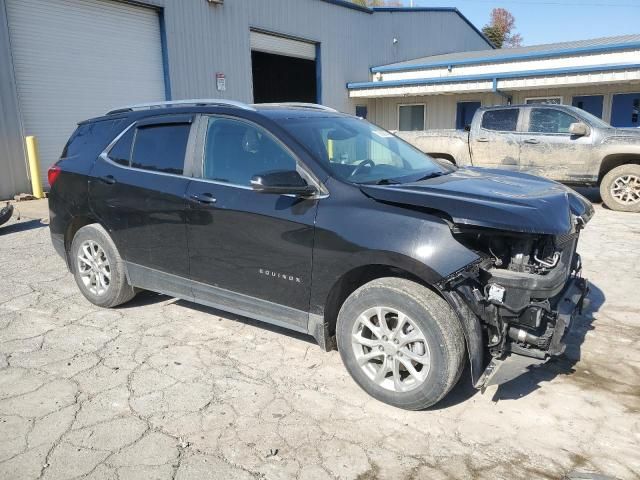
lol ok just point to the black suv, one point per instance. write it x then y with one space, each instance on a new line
321 222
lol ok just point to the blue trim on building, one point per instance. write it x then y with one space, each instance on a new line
510 57
492 76
318 73
165 55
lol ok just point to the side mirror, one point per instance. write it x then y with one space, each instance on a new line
282 182
579 129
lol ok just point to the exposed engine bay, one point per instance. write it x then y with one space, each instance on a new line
518 287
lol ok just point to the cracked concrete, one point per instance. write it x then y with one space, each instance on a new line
164 389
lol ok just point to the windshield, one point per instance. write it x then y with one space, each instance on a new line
359 152
595 121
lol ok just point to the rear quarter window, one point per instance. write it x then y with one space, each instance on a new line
90 138
501 120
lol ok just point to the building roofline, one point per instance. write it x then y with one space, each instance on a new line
509 57
353 6
491 76
437 9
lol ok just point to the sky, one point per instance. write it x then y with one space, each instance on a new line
548 21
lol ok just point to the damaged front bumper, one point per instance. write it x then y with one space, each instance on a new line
571 303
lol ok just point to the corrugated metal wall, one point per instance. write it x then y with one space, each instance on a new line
204 39
13 172
441 109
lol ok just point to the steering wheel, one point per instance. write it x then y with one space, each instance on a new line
363 163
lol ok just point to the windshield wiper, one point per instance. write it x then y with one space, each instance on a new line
431 175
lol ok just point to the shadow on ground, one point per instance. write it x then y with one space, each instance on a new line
523 376
22 226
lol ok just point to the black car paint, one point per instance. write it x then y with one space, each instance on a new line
279 258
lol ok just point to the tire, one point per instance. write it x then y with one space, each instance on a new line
624 175
429 316
104 257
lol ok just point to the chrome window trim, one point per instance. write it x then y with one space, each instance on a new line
203 128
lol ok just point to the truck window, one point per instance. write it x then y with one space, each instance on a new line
501 120
549 120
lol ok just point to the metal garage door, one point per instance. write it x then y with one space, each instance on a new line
76 59
263 42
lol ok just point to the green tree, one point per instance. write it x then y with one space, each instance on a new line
500 29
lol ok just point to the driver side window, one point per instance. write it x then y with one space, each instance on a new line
235 151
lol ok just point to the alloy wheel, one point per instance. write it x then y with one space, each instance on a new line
626 189
391 349
94 268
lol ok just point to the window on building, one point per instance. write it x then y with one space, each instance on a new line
236 151
548 100
411 117
161 148
501 120
361 111
121 151
546 120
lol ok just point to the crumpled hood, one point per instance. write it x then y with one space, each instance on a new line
490 198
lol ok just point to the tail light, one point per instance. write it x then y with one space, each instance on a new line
52 174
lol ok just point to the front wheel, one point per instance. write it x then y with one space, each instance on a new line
620 188
401 342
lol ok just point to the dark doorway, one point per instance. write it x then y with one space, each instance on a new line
278 78
464 113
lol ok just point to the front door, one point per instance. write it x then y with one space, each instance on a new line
464 114
495 143
250 252
590 103
625 110
548 149
137 191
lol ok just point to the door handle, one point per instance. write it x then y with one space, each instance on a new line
482 139
532 141
205 198
108 179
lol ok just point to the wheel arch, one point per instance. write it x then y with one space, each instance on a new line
616 160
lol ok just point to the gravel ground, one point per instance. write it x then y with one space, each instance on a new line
161 388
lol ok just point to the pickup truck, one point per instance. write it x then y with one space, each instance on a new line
559 142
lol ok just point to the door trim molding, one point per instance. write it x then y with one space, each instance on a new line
216 297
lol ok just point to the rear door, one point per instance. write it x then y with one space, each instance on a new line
549 150
137 190
494 143
250 252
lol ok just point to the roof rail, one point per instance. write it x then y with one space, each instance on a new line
175 103
314 106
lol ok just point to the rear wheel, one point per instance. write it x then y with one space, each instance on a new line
401 342
620 188
98 268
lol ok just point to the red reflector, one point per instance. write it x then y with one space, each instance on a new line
52 174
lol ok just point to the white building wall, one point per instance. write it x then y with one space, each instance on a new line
441 109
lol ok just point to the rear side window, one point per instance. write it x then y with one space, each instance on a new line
89 137
121 151
161 148
501 120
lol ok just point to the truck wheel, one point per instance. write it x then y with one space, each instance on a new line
401 342
98 268
620 188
